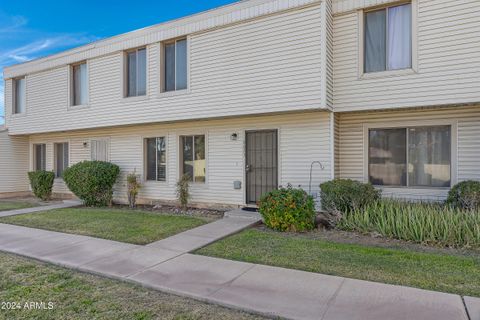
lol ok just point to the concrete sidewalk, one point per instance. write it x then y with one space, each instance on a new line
272 291
64 204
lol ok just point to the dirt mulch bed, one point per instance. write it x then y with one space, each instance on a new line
173 210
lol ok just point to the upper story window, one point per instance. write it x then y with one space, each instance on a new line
136 69
175 65
79 84
388 39
410 157
19 95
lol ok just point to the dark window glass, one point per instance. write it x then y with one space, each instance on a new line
61 158
387 157
170 67
193 157
176 68
156 159
181 65
388 39
137 73
40 157
429 153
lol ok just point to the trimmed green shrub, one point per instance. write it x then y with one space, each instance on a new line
41 183
427 223
465 195
345 195
92 181
288 209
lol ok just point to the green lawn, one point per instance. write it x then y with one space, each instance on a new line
434 271
13 205
132 226
81 296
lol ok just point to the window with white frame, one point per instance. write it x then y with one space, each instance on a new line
175 65
100 150
19 95
61 158
388 38
410 157
156 159
79 84
193 161
39 157
136 69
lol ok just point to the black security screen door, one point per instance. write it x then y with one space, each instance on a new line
261 163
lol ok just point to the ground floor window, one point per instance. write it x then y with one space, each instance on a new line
193 157
156 159
99 150
40 155
411 157
61 158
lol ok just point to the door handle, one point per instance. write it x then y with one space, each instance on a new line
247 168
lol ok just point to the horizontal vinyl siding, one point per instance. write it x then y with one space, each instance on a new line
352 145
216 18
268 65
341 6
303 138
448 61
14 157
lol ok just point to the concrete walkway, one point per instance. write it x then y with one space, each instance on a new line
64 204
165 265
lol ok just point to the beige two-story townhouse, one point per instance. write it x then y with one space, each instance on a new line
259 94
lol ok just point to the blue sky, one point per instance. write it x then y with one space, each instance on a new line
32 29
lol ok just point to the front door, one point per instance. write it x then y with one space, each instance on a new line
261 164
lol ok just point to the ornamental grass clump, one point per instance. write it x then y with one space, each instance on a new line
288 209
417 222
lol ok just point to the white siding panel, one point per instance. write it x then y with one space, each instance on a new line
447 56
303 138
352 145
14 157
216 18
342 6
268 65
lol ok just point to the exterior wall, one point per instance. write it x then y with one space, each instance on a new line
13 164
465 123
447 59
303 138
267 65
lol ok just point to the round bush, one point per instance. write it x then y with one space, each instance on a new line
42 183
465 195
92 181
288 209
345 195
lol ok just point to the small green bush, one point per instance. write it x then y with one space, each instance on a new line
92 181
288 209
42 183
427 223
465 195
345 195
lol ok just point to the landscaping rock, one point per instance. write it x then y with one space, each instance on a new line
327 220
